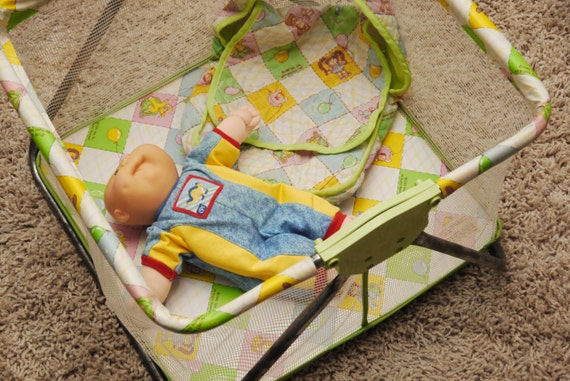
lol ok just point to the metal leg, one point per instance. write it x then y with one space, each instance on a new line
495 258
154 371
295 329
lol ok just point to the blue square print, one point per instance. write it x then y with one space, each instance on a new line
323 107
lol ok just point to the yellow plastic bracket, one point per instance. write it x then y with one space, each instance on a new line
380 232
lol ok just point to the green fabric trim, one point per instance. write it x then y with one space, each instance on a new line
364 135
229 46
381 40
227 28
397 61
496 236
19 16
411 117
379 132
475 38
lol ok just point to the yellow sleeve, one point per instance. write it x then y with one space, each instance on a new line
164 256
225 153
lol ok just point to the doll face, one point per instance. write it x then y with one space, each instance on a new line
140 185
139 169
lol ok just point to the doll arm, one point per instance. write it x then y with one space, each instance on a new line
233 130
239 123
158 283
159 260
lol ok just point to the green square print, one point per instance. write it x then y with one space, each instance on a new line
408 179
96 191
214 372
284 61
412 265
228 89
221 295
341 20
109 134
412 130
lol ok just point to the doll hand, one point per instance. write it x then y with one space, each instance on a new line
249 115
240 122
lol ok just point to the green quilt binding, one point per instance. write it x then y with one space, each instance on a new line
397 80
397 63
379 128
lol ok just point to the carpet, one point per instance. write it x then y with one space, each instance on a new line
476 324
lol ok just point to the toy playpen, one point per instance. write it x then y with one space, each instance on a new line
91 81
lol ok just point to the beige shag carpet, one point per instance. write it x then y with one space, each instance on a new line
477 325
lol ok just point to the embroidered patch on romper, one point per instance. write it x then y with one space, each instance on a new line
197 196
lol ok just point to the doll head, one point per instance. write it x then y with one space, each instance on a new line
140 185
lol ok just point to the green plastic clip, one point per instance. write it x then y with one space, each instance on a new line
380 232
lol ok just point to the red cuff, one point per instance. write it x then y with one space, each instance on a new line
335 224
227 137
164 270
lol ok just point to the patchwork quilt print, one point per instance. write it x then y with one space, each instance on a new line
316 81
404 158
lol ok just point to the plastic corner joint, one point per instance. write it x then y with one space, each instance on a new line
380 232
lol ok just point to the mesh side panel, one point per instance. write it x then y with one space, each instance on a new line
305 3
224 344
83 66
463 101
127 46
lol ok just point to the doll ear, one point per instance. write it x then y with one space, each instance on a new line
121 216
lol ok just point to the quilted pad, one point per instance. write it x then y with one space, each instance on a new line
321 89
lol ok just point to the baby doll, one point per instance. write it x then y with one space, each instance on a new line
214 216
